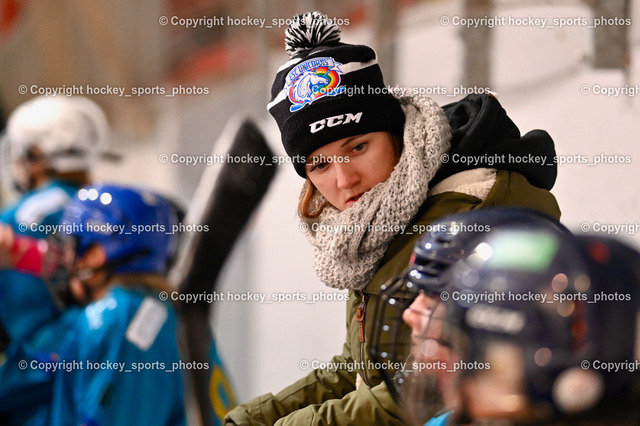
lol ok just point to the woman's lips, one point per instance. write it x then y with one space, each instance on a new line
352 200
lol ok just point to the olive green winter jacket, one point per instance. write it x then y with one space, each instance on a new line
330 397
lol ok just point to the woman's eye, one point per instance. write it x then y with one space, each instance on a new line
359 147
318 167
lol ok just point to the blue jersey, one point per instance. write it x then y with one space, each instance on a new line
25 303
440 420
120 364
28 314
26 384
39 208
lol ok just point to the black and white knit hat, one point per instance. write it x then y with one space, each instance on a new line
328 90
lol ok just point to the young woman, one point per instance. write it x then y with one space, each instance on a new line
375 178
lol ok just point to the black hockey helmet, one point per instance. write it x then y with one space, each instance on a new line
444 243
544 351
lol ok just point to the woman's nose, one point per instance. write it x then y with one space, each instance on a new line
346 176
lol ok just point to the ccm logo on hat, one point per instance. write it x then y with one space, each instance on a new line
336 120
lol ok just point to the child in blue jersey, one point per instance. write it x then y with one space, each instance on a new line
120 363
53 143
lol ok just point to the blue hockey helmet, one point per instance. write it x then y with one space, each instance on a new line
133 225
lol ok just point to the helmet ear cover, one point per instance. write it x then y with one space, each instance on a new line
563 340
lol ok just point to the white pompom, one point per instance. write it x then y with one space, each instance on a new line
310 30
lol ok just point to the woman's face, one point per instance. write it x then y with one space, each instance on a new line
345 169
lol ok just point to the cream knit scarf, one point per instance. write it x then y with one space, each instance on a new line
349 244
